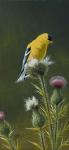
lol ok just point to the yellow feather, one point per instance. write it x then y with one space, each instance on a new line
39 47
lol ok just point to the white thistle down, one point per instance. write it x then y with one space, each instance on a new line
47 61
35 62
34 67
31 103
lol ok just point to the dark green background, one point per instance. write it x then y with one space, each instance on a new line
21 22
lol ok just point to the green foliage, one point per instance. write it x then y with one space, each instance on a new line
7 135
38 89
63 110
5 143
57 113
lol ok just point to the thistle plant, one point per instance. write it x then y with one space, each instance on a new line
38 119
47 116
6 133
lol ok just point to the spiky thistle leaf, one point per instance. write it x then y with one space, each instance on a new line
44 111
63 111
38 89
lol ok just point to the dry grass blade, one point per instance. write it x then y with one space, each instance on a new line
62 131
18 144
5 140
47 133
33 129
65 128
64 145
6 146
35 144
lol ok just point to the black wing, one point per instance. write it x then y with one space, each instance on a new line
27 52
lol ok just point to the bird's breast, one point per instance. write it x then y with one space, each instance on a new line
38 52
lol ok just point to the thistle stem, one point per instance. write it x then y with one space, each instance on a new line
42 141
56 129
11 144
47 106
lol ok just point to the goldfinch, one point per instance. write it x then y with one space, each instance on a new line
37 49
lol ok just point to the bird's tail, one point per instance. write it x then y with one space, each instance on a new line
22 76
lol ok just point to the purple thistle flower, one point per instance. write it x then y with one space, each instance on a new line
2 116
58 82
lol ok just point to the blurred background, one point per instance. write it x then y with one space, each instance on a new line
20 22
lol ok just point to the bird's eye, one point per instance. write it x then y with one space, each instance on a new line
49 37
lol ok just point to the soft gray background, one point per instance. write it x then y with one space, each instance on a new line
20 22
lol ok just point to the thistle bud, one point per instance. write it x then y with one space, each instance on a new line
2 116
37 67
58 82
5 128
38 120
56 97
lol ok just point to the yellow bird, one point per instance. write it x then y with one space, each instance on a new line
37 49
